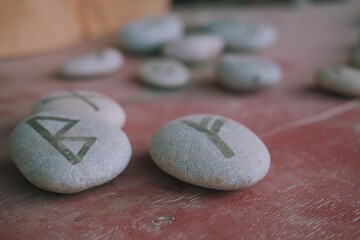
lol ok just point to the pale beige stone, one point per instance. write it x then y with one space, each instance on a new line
340 79
210 151
68 153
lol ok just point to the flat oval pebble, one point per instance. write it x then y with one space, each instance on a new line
210 151
240 73
149 34
242 35
82 102
340 79
164 73
93 64
195 48
66 154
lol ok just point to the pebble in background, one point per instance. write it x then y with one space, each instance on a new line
197 48
340 79
66 154
83 102
210 151
164 73
241 35
243 73
355 58
149 34
94 64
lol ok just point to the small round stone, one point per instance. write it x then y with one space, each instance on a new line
93 64
149 34
239 73
340 79
195 48
164 73
242 35
210 151
82 102
65 153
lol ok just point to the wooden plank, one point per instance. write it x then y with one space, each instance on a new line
37 26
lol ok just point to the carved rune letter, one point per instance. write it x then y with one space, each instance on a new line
73 95
56 139
212 134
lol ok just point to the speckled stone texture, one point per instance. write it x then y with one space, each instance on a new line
210 151
341 79
196 48
164 73
244 73
94 64
66 154
149 34
83 102
243 35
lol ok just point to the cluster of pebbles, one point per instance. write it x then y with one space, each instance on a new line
76 144
73 141
205 46
165 36
75 137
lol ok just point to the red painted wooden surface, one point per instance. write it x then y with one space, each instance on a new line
310 192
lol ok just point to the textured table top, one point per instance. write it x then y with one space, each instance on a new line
312 188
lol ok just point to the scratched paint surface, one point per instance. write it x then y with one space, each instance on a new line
310 192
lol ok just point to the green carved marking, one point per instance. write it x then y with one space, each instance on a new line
337 70
100 54
205 121
217 126
212 134
251 28
163 69
82 97
59 137
72 95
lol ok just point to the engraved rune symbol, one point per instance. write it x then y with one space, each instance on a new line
212 134
165 69
72 95
100 54
59 137
337 70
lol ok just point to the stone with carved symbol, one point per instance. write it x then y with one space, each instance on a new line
210 151
84 102
244 73
68 153
341 79
164 73
93 64
243 35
